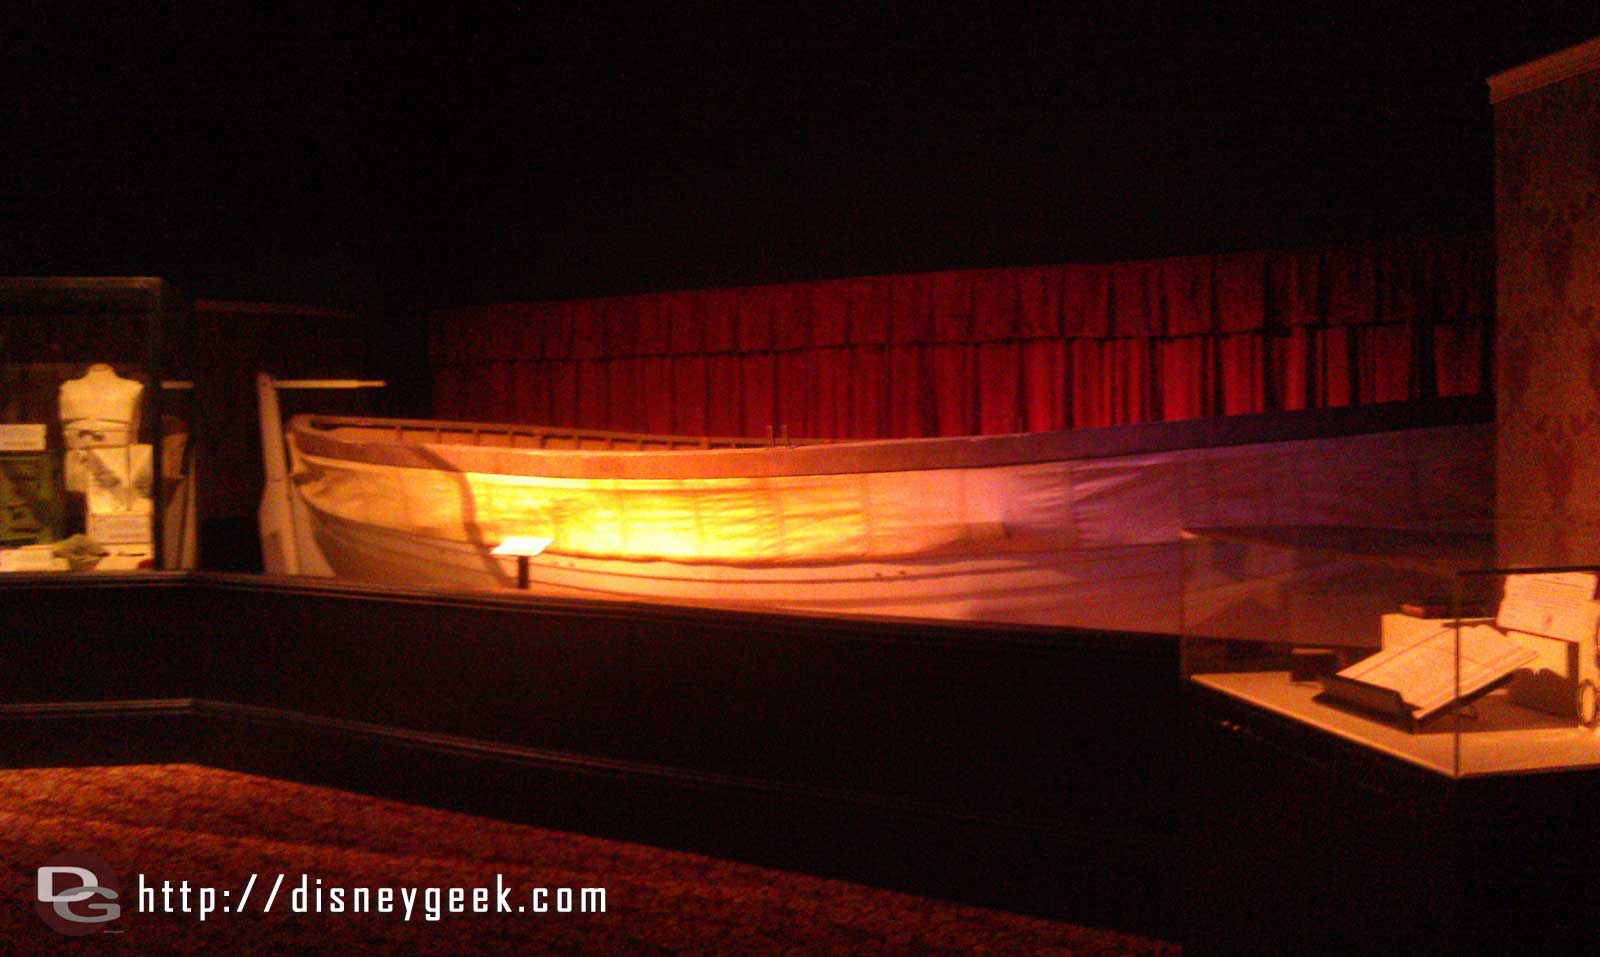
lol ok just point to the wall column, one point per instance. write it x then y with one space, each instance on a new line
1547 351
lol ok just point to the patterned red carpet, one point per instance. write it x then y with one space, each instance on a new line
216 828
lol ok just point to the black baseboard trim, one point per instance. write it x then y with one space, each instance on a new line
69 710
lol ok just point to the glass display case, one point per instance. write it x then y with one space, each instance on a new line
1409 643
96 449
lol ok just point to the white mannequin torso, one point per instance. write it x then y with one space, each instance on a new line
100 409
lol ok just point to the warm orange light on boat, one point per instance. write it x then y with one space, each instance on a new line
785 518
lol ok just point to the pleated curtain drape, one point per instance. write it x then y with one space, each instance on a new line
987 351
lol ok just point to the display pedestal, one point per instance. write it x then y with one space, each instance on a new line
1302 842
1030 769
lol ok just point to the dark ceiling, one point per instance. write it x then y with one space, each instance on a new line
508 151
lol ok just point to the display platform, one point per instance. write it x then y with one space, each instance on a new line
1392 746
987 764
1402 640
1501 736
1302 842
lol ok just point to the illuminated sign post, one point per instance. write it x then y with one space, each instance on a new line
523 547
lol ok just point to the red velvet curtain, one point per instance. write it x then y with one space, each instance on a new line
987 351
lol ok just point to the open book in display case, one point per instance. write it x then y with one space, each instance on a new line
1409 643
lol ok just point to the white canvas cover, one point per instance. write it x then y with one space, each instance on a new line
1088 541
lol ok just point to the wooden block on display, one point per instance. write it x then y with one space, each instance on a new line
1549 683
